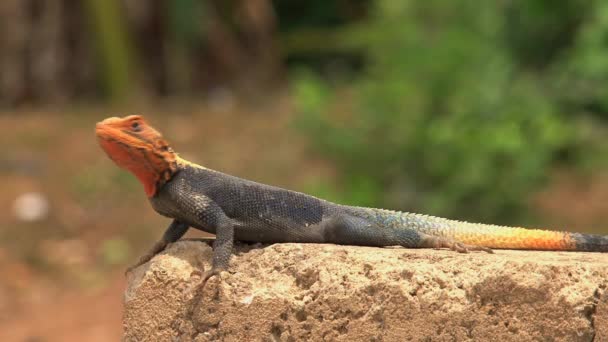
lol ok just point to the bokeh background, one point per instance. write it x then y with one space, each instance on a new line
491 111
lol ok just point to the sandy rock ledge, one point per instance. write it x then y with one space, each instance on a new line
294 292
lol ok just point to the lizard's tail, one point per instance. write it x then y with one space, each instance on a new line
492 236
590 242
502 237
523 238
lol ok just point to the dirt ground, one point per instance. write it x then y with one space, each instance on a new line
62 273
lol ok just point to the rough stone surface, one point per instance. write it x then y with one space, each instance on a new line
294 292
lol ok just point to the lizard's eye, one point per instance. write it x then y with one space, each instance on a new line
135 126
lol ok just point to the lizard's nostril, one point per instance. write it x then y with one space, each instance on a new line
103 125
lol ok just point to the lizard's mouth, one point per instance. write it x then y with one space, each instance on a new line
120 151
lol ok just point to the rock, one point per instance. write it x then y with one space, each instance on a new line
294 292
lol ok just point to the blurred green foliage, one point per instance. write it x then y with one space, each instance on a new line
115 251
113 45
463 108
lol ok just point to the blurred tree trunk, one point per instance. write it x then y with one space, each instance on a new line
259 25
62 50
31 60
45 52
13 36
243 44
79 72
224 49
43 56
148 22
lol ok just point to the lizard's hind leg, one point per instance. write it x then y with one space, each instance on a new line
345 229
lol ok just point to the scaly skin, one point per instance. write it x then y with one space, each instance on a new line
234 208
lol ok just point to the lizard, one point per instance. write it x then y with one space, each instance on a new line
233 208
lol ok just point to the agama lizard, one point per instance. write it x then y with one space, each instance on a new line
234 208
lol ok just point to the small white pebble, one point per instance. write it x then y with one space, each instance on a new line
247 300
31 207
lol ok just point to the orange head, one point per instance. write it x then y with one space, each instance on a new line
134 145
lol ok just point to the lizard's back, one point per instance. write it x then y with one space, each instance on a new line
260 212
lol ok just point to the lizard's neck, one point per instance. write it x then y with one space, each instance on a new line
152 167
153 179
155 170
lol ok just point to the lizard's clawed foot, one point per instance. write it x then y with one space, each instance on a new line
134 266
130 269
439 242
464 248
157 248
213 272
197 289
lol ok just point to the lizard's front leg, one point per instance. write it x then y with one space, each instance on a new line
211 216
222 250
173 233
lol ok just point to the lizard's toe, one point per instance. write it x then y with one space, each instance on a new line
459 247
131 268
205 276
456 245
214 272
481 249
196 273
464 248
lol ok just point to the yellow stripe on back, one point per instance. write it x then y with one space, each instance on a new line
183 162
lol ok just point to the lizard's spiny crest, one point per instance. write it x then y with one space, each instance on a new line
136 146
